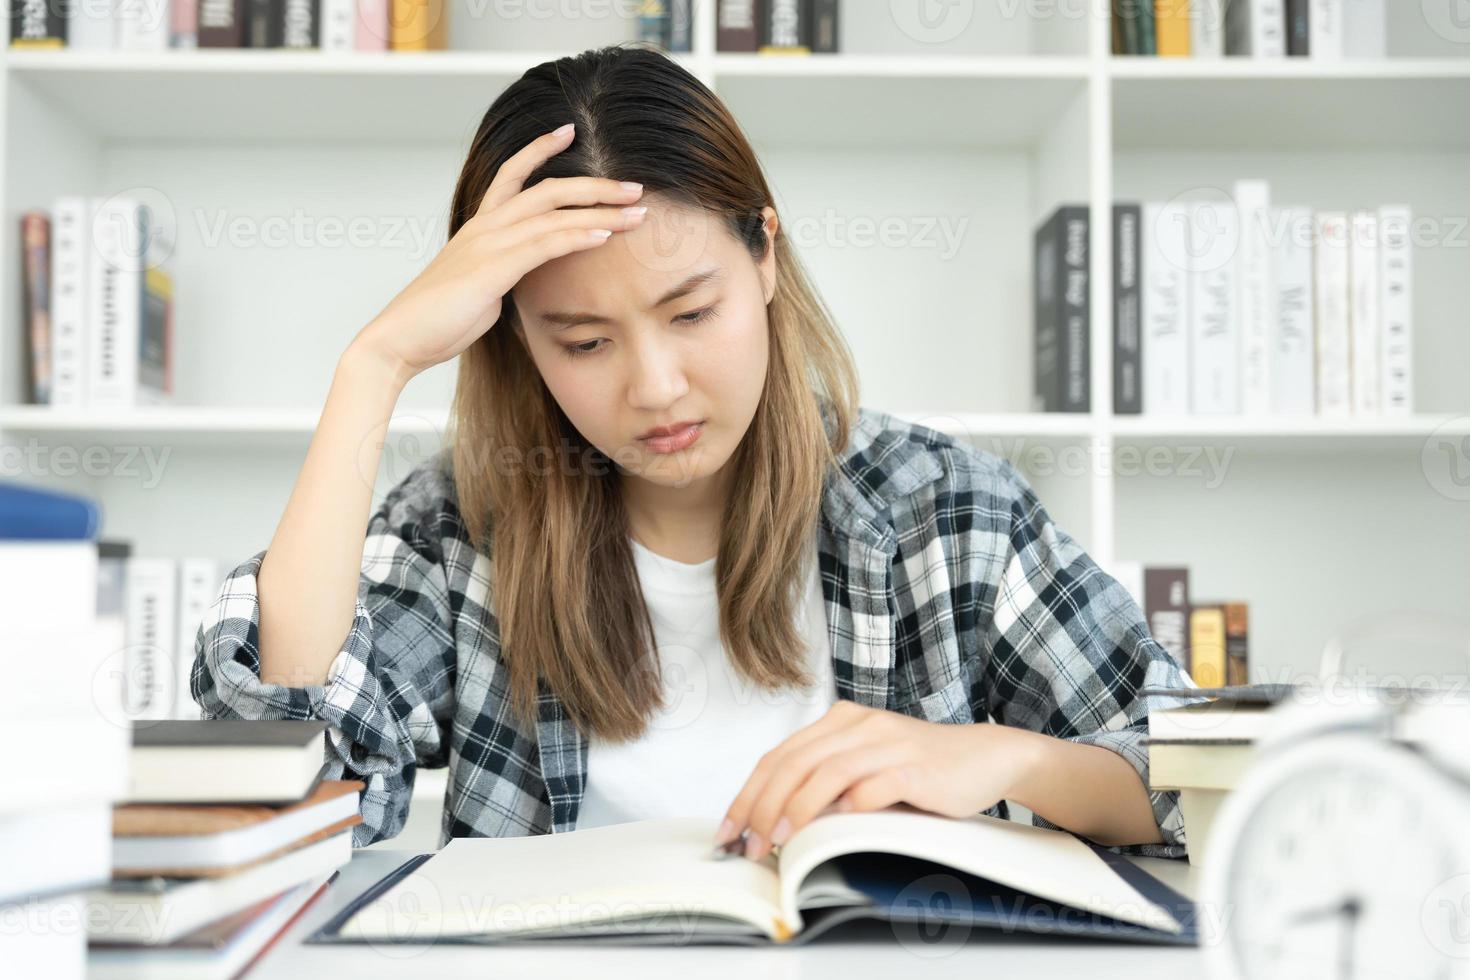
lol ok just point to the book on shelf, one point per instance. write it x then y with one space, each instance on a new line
656 882
1209 640
1127 311
35 232
1061 312
1258 310
1326 30
112 303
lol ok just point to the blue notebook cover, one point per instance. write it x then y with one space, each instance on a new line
29 514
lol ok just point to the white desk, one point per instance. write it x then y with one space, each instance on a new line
873 953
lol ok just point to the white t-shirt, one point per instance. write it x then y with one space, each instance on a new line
698 751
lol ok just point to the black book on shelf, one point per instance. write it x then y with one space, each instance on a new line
824 26
1298 28
38 25
785 26
736 28
222 23
296 24
260 16
1062 312
1127 311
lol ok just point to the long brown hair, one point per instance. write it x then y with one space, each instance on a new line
564 587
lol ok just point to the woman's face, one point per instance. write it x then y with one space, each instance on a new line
664 323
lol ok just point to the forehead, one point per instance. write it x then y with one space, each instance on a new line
634 267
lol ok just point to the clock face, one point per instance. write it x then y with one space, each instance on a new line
1349 862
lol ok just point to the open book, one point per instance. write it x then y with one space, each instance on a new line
657 882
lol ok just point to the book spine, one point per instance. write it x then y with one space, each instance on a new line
1127 15
653 22
339 18
142 25
1171 25
298 24
1214 339
1298 28
222 24
114 305
1396 308
183 28
1293 371
1147 38
1076 392
1207 29
1363 256
785 27
681 26
1166 607
825 39
736 29
1257 300
259 19
1127 305
151 671
198 584
1364 29
1165 285
1255 29
37 24
1207 644
1334 326
372 30
1324 25
92 26
1046 316
1237 643
35 232
69 301
155 354
418 25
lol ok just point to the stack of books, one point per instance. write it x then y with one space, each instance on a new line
59 724
1206 749
227 833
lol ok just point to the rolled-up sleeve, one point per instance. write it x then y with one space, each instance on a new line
388 694
1069 650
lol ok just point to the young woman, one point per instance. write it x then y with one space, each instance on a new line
670 567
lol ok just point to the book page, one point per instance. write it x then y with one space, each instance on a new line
647 876
1049 864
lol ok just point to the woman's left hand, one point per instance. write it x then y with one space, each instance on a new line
859 758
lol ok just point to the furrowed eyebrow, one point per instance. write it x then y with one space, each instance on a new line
559 320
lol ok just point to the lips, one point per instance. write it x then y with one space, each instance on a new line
672 438
669 430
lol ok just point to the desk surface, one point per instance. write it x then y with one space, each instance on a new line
867 952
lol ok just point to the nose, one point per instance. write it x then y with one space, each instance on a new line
656 377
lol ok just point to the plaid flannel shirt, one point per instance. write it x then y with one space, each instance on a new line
950 594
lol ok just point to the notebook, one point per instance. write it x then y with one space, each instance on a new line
657 882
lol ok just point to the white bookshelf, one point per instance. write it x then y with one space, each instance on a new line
983 131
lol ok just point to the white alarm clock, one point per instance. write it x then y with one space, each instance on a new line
1345 853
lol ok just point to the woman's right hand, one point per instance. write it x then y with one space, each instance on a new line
458 296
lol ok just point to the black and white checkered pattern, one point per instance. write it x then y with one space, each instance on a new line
950 595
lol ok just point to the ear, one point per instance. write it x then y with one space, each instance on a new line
767 265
